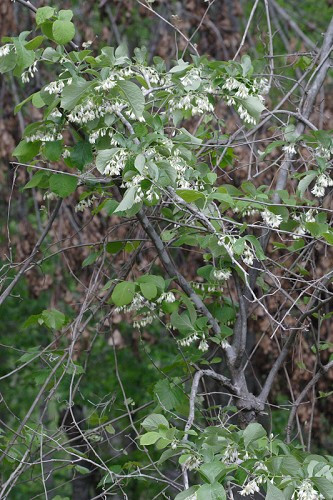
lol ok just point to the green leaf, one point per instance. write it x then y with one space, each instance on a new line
63 31
212 471
189 195
158 281
254 106
139 163
52 150
149 438
128 200
73 93
324 486
110 429
182 323
91 259
63 185
35 42
81 154
134 96
153 421
211 492
252 433
273 493
305 182
53 319
37 100
149 291
103 157
81 469
44 13
123 293
66 15
26 151
8 62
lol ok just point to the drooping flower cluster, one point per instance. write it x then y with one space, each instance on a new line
55 87
89 110
168 297
306 492
197 103
49 135
248 255
238 90
117 162
191 77
187 341
29 73
5 49
192 462
221 275
272 220
290 148
301 230
323 181
86 203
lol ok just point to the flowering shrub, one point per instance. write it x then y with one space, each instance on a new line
146 141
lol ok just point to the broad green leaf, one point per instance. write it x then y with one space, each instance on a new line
187 494
139 163
35 42
254 106
53 319
52 150
44 13
149 291
63 184
158 281
128 200
37 100
134 96
305 182
63 31
103 157
91 259
211 492
123 293
149 438
65 15
8 62
22 103
73 93
181 322
26 151
153 421
212 471
81 154
273 493
189 195
36 179
110 429
252 433
324 486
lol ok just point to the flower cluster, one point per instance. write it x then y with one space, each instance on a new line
309 216
83 204
29 73
188 340
50 135
192 462
197 103
221 275
55 87
323 181
191 77
166 297
251 487
306 492
89 110
203 346
248 255
272 220
5 49
117 162
101 132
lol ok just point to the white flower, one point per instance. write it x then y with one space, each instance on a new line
324 180
231 454
116 163
50 196
306 492
87 44
192 462
242 91
55 87
83 204
107 84
203 346
193 76
318 190
248 255
29 73
49 135
231 84
250 488
289 148
221 275
243 113
167 297
188 340
271 219
5 49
